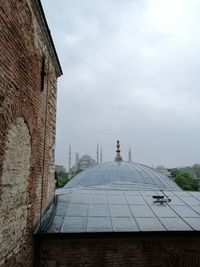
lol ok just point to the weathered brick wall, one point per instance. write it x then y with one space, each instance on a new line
16 169
27 113
117 252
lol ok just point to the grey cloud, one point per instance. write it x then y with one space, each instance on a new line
128 76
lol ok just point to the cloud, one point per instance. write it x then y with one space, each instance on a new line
131 71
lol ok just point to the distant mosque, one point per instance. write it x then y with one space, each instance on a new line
86 161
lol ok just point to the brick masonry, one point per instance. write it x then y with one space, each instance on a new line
118 250
27 127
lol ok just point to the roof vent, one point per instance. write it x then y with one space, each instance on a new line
118 156
161 199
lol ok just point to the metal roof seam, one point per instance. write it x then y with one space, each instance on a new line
153 212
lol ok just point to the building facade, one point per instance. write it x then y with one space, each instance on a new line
29 69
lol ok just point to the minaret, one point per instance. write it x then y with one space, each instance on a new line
101 156
118 156
70 158
77 158
129 155
97 153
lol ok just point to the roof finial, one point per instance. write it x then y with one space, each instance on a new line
118 156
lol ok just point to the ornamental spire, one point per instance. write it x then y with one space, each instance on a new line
118 156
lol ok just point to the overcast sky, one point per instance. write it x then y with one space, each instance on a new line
131 72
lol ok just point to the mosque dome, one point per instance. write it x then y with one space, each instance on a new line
122 175
124 196
84 162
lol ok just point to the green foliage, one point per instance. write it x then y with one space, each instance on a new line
186 181
194 170
173 172
62 181
63 178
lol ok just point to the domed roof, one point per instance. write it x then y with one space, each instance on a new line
122 175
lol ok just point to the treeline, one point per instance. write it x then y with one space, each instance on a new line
187 177
62 178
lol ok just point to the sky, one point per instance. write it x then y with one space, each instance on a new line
130 73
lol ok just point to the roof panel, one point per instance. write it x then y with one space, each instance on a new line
98 210
141 211
98 199
190 200
124 224
135 199
120 211
74 224
163 211
175 224
194 223
99 224
61 209
185 211
77 210
149 224
80 198
116 199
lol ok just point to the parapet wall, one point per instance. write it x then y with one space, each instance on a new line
117 250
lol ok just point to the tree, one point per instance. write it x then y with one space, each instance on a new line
173 172
186 181
61 179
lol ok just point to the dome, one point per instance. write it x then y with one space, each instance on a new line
122 175
84 162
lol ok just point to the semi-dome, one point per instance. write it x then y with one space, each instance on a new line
122 175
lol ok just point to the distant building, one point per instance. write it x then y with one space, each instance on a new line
83 163
60 168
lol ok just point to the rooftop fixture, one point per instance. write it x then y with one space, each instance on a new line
161 199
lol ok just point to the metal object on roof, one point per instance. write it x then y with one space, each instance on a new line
118 156
87 210
122 175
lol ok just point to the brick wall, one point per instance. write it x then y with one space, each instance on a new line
115 251
27 127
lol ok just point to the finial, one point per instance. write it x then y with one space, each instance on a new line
118 156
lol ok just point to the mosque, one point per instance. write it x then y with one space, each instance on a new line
122 213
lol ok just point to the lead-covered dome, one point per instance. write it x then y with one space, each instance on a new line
122 175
